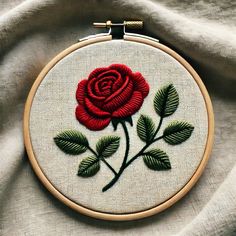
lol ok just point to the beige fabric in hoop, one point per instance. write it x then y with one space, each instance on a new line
53 111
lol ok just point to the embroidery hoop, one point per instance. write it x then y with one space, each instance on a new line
108 216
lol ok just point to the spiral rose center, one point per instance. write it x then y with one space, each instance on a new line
103 84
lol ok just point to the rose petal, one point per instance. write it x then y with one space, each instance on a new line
126 84
132 106
140 84
108 80
89 121
118 83
95 110
91 90
81 91
96 72
107 73
119 97
104 91
123 69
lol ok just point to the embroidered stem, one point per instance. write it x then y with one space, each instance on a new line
125 164
91 150
158 138
109 166
141 152
127 144
148 144
122 168
103 160
158 128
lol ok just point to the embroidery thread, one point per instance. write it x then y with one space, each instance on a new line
109 93
113 94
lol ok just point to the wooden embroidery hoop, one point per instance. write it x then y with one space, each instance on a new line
107 216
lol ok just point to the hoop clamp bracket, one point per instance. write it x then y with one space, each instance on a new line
118 30
126 25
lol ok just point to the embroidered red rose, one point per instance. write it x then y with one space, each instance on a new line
109 92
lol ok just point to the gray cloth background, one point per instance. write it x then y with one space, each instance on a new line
33 31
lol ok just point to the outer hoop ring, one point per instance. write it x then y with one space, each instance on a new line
102 215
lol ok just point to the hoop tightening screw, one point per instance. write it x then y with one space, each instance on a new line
126 24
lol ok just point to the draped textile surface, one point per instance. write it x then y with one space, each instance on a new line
33 31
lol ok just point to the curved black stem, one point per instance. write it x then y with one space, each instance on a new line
141 152
103 160
158 138
113 181
147 145
109 166
136 156
158 127
125 164
91 150
127 144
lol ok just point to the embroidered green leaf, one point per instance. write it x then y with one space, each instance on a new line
166 101
145 128
71 142
177 132
156 159
107 146
89 166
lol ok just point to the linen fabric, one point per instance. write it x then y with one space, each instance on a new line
34 31
139 188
